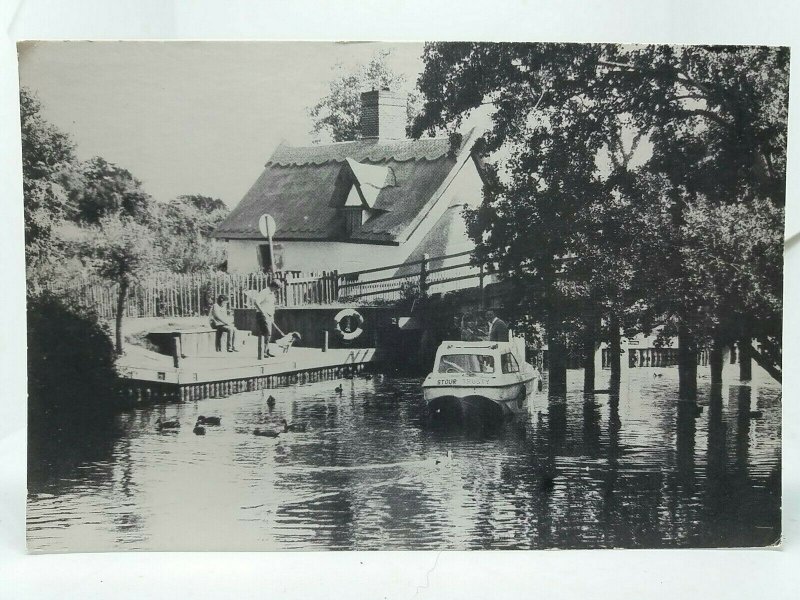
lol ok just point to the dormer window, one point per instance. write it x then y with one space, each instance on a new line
366 183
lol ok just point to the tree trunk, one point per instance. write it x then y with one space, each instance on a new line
745 360
614 352
687 365
557 359
715 361
123 294
589 348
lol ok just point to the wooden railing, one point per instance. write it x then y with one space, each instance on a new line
413 279
185 295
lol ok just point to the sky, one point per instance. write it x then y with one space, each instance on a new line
192 117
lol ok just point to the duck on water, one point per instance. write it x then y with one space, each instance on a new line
162 425
293 427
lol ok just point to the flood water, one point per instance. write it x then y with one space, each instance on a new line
372 472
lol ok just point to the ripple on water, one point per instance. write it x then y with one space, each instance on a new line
640 470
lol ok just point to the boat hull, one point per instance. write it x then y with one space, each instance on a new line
509 398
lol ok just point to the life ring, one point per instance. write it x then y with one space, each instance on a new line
349 324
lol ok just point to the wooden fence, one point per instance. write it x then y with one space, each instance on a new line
186 295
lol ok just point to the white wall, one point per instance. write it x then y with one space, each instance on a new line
465 188
315 256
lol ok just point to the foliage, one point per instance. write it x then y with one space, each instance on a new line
121 249
584 222
107 189
185 226
48 165
555 223
733 261
338 114
70 361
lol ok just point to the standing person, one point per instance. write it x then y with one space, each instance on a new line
498 329
265 315
221 320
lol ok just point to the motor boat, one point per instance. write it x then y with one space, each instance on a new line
481 375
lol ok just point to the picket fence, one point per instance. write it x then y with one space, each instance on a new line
192 294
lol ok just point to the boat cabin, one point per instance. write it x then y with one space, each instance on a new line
477 357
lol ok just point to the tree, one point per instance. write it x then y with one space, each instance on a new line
185 226
717 120
338 115
551 216
48 166
107 189
574 234
122 251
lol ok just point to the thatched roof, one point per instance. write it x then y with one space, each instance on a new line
304 189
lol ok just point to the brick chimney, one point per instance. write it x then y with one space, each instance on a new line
383 115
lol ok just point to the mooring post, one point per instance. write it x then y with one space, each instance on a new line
325 340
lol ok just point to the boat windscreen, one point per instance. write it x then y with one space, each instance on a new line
466 363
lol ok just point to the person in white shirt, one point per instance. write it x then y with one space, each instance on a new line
222 322
498 329
265 313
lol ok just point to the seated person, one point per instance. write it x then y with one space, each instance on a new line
221 320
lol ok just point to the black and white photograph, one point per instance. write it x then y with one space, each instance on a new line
303 296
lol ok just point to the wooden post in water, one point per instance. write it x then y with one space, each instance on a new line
325 340
557 359
687 365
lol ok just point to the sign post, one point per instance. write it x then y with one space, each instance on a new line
266 225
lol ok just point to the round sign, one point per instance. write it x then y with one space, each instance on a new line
266 225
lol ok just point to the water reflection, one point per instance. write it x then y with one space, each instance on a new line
638 468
